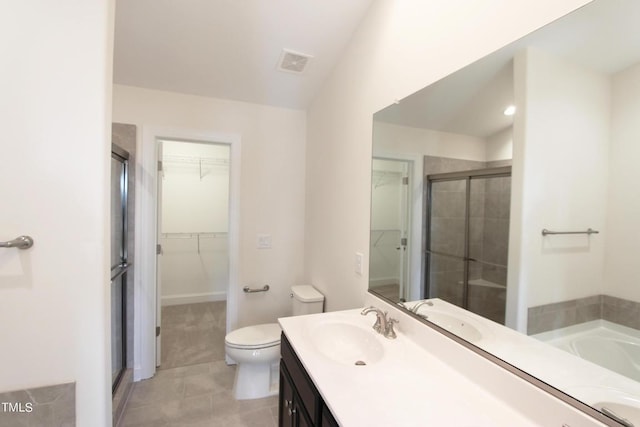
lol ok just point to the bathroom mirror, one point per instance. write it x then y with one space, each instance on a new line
530 219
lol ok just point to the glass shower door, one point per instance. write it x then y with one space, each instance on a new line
467 239
119 264
490 200
446 251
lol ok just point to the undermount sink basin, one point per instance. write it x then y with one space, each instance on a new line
347 343
453 324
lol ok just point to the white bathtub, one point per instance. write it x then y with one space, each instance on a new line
611 346
607 344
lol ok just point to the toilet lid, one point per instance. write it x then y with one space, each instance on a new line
256 336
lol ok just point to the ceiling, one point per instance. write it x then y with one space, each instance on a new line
231 48
601 35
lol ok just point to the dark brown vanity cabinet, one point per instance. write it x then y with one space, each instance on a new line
300 402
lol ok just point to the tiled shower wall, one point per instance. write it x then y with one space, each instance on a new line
447 223
495 244
567 313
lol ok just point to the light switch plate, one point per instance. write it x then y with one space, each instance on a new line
358 263
264 241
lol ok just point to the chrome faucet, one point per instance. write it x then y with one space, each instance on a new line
415 308
383 324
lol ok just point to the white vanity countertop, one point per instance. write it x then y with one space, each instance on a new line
408 386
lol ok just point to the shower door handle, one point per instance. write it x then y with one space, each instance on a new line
21 242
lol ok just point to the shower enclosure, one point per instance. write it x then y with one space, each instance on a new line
466 239
119 263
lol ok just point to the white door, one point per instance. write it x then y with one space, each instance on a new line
159 258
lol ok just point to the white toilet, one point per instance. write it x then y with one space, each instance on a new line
256 349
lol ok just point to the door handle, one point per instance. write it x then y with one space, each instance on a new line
21 242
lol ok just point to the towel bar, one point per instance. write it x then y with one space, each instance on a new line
589 231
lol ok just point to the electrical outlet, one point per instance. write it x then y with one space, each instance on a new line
358 264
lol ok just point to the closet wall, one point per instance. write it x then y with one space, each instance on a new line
194 222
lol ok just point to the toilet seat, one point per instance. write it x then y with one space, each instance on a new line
254 337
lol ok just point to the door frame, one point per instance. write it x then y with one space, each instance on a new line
415 270
146 234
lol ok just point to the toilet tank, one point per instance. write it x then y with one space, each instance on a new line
305 299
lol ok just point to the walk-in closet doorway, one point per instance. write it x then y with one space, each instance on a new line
193 262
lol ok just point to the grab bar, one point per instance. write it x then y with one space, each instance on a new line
248 290
589 231
21 242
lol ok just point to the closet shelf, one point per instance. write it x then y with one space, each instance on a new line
210 235
205 165
197 236
381 178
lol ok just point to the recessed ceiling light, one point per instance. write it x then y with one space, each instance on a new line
510 110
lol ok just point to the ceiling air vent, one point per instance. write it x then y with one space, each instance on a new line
293 62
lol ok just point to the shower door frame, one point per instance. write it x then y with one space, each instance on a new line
467 176
121 269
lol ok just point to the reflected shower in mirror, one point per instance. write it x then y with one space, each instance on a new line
463 185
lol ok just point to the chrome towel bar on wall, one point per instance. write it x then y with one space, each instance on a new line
21 242
588 231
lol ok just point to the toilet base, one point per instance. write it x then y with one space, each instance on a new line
256 380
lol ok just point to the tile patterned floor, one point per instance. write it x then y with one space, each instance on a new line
193 387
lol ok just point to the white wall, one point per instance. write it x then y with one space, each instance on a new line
195 222
386 194
566 126
400 47
622 276
195 196
499 146
272 193
55 105
408 140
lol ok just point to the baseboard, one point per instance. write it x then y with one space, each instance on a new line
193 298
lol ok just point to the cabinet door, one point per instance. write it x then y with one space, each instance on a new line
291 413
301 419
285 407
327 418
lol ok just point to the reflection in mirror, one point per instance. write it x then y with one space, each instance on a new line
467 236
461 192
